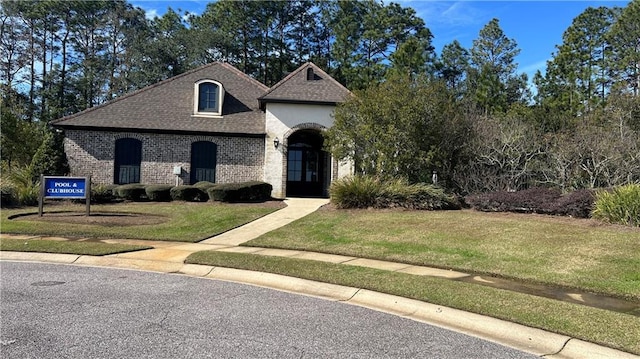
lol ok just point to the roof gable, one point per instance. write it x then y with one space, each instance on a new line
307 84
168 106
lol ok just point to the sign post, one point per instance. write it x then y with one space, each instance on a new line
65 188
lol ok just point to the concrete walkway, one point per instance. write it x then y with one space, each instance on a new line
296 208
168 257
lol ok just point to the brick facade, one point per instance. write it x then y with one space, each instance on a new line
91 153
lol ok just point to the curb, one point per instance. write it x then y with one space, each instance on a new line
517 336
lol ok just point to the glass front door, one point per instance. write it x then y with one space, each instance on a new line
306 162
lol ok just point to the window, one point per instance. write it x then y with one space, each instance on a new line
294 167
208 96
127 159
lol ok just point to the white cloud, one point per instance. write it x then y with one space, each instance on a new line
448 13
151 13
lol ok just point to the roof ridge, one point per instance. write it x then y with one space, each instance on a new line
157 84
279 83
316 67
242 74
288 89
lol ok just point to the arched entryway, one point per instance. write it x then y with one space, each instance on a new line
308 169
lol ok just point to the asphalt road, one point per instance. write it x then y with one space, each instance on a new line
63 311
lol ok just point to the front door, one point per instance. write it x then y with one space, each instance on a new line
203 161
306 165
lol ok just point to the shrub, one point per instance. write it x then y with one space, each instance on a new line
620 205
204 185
188 193
355 191
159 192
577 204
535 200
50 158
101 193
364 192
253 191
8 196
19 185
422 196
132 192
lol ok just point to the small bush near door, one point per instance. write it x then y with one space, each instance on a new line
188 193
132 192
158 192
253 191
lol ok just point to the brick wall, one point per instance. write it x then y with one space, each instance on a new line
90 153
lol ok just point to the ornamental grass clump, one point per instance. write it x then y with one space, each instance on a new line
19 186
372 192
620 205
356 191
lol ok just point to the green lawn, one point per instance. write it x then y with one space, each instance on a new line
615 330
583 254
69 247
180 221
567 252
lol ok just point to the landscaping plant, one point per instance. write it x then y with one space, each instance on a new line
620 205
368 191
19 187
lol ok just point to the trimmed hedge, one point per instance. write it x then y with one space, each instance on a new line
535 200
366 192
253 191
159 192
578 204
204 185
132 192
188 193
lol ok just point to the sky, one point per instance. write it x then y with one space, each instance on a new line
536 26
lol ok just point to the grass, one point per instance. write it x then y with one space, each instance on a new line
80 248
583 254
586 323
181 221
572 253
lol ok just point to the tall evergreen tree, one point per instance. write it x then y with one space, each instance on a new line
578 76
453 65
624 39
493 73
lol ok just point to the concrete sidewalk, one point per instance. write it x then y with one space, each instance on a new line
296 208
168 257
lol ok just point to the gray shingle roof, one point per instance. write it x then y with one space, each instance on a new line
297 88
168 106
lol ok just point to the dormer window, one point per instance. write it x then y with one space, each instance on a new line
208 96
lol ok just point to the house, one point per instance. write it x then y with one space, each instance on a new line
215 124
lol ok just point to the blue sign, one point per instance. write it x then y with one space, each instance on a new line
65 187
